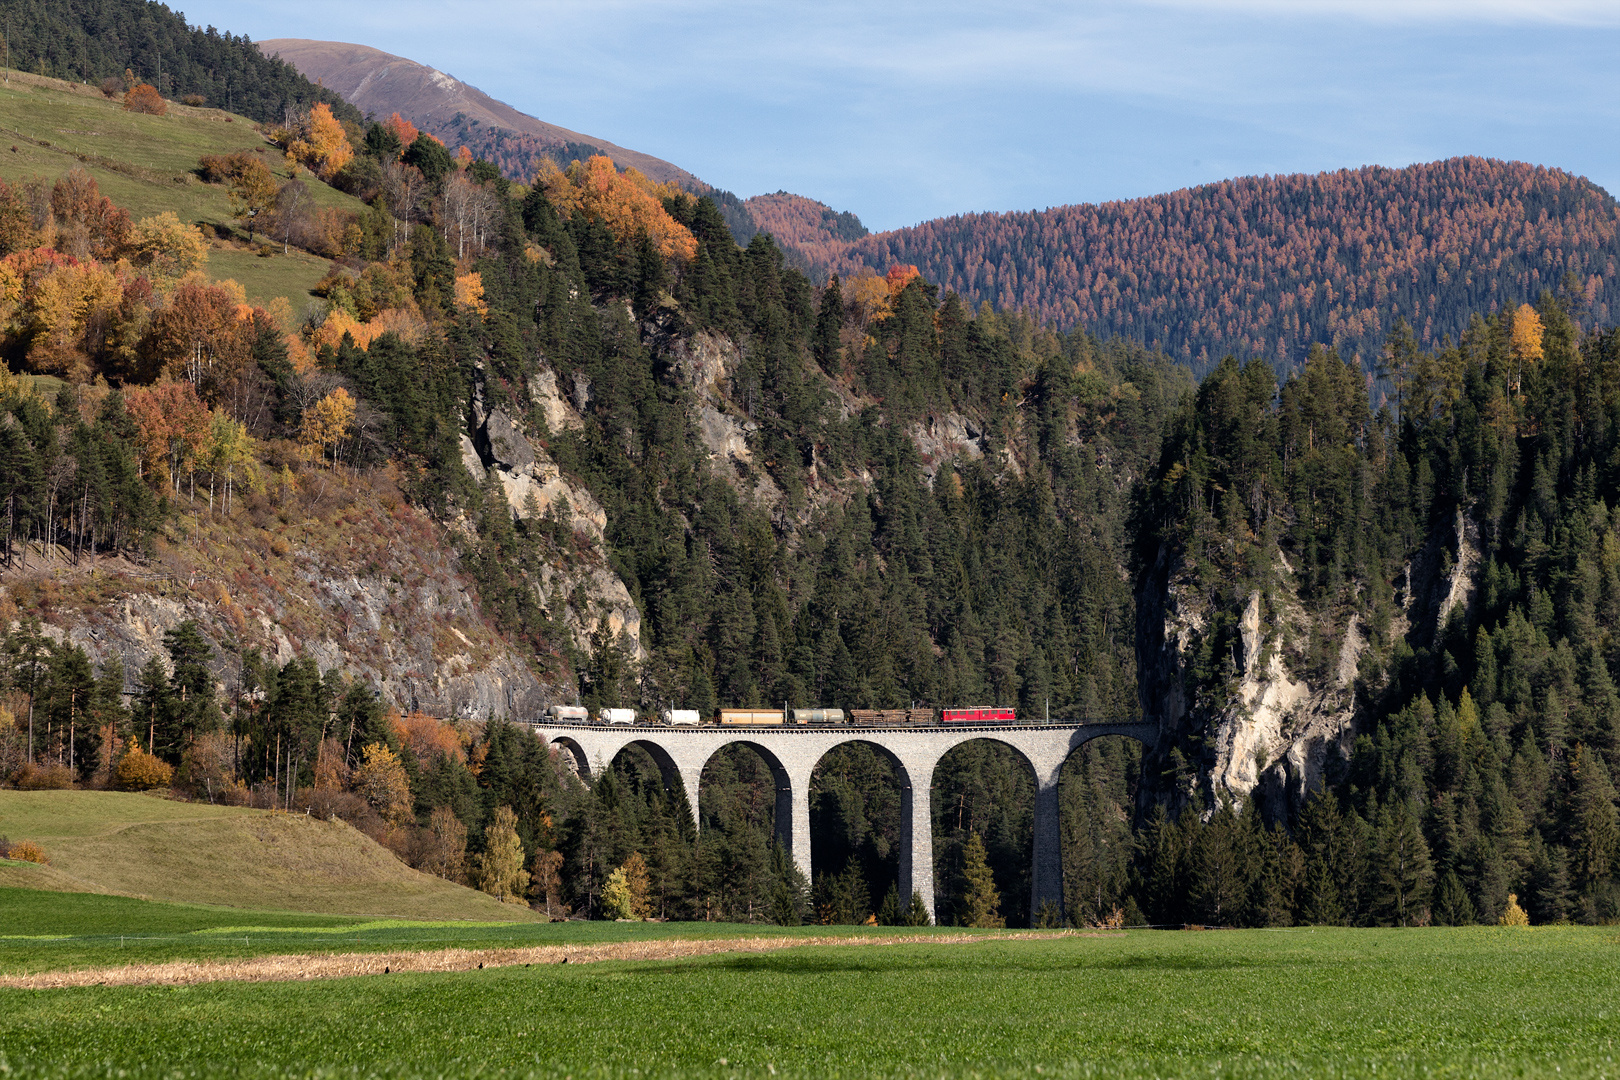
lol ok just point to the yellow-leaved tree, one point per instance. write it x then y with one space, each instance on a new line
627 203
470 293
326 423
640 888
1524 343
319 143
166 249
138 770
500 867
382 782
252 192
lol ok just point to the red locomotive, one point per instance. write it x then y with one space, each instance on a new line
978 714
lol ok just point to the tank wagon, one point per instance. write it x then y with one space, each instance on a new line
568 714
616 716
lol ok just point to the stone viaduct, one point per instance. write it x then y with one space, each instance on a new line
792 753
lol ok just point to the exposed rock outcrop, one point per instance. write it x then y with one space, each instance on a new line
582 593
417 639
940 438
531 480
1274 732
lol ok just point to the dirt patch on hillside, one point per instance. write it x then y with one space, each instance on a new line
346 965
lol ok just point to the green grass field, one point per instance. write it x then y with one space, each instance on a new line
141 845
145 165
1467 1003
50 931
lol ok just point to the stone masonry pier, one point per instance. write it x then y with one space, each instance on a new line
792 753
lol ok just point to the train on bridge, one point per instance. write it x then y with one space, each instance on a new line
785 717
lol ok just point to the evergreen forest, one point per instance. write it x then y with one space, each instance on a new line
92 40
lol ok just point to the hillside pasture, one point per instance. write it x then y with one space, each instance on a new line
146 165
142 845
1325 1002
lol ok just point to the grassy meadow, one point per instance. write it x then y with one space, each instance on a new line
1466 1002
146 164
143 845
43 930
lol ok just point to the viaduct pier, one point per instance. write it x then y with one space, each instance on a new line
792 752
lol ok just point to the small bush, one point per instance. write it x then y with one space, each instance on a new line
146 99
196 101
112 86
1513 915
223 168
44 778
28 851
138 770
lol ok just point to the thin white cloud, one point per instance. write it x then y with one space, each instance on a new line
1604 13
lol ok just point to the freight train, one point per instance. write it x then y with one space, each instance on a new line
785 717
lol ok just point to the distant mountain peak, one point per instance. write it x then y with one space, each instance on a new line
379 83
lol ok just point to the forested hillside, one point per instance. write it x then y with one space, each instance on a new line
673 470
1267 266
92 40
1430 594
575 421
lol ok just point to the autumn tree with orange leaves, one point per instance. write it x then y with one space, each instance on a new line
627 203
317 142
145 99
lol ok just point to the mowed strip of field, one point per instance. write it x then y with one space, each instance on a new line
349 964
1472 1002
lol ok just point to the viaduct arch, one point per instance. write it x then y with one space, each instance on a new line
792 754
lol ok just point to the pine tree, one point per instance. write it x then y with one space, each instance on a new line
1452 907
1403 866
981 903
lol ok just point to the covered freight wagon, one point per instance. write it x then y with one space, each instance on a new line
752 718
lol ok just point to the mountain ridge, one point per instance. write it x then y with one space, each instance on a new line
380 83
1267 266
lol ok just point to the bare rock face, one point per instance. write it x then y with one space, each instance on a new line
559 412
595 604
531 480
1276 731
419 641
940 438
583 594
703 362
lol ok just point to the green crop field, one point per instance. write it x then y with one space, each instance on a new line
1324 1002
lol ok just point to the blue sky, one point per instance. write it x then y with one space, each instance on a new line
906 111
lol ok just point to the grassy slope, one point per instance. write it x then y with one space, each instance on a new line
1471 1002
140 845
144 164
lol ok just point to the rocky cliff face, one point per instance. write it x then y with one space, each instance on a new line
583 594
365 584
1271 729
